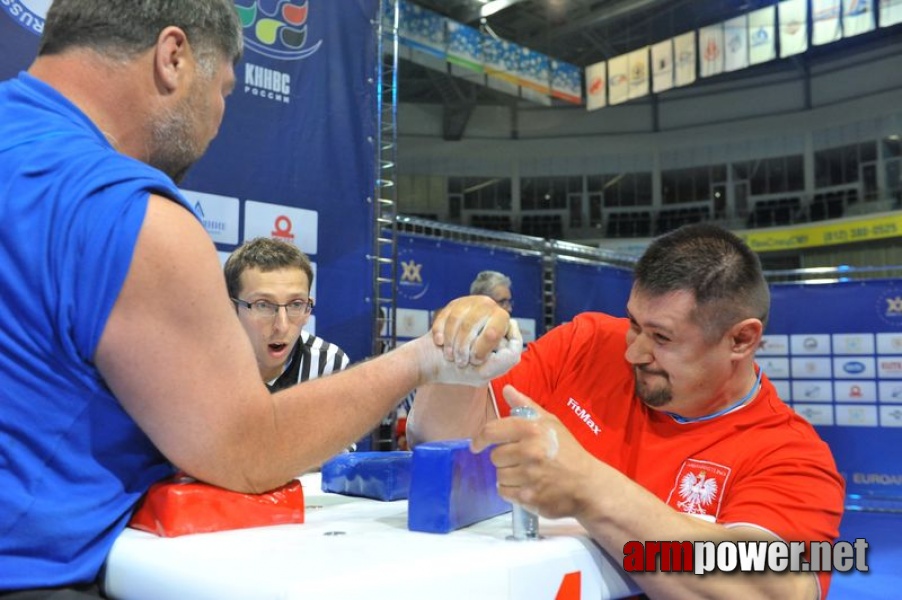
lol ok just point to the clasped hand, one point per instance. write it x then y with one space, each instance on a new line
476 341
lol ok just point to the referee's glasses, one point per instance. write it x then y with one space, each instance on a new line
264 309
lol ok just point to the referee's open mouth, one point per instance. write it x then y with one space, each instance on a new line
277 350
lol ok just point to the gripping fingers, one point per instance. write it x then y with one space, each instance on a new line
493 333
502 360
464 347
468 329
482 341
513 333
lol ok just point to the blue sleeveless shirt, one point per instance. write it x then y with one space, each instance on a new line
72 462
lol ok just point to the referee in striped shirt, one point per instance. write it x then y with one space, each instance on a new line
269 283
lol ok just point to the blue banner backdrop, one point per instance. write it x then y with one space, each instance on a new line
300 133
433 272
295 156
835 353
582 287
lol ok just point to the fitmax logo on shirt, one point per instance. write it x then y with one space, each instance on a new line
583 415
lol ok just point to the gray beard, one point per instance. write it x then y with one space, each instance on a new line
173 151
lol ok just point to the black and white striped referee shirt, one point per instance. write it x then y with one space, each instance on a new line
312 357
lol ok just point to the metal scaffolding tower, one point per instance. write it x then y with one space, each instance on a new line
385 249
385 205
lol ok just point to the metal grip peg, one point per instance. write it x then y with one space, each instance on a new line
525 523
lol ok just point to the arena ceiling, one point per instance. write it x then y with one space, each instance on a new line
583 32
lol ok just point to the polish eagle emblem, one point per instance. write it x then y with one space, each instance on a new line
697 493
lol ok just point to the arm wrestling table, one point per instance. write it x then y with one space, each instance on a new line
352 548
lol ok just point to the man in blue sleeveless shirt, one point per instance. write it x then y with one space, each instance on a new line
120 351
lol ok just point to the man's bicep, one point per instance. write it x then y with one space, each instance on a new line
172 350
797 500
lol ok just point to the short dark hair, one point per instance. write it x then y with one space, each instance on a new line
124 28
267 255
720 270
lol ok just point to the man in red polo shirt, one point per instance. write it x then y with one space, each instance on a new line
659 426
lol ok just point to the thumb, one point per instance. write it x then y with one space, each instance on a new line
515 398
499 431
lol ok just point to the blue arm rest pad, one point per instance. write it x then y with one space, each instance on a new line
450 487
379 475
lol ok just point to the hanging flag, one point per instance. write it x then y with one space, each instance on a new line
534 76
890 12
618 79
662 66
710 49
762 46
566 83
857 17
501 63
736 43
638 70
596 86
684 53
422 30
826 27
464 47
793 27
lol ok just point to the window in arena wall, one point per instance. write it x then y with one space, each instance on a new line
894 180
482 193
621 189
841 165
892 146
772 176
611 192
548 193
685 186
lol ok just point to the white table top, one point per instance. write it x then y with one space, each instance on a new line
355 548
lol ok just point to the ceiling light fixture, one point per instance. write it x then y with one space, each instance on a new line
490 8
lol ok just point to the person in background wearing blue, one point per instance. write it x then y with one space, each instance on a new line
270 281
120 351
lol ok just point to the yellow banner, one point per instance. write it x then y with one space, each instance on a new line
810 236
502 75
